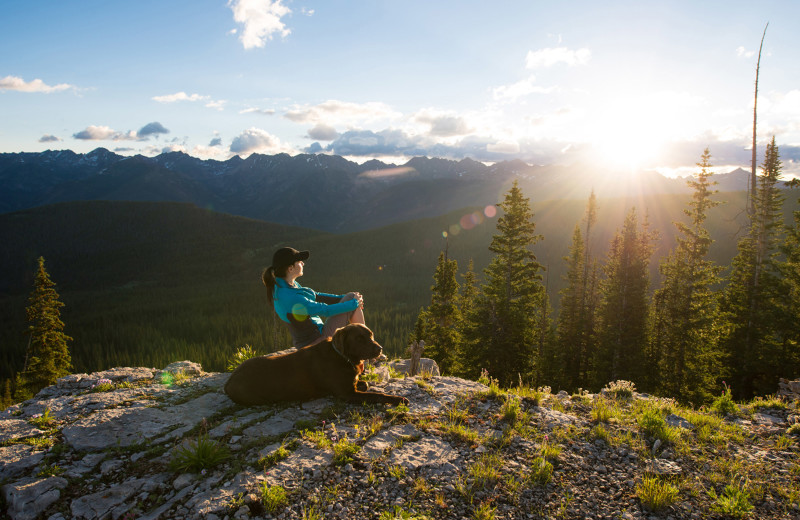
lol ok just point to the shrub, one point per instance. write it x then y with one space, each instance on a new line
656 494
619 389
794 429
724 405
653 425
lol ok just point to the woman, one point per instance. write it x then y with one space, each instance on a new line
303 308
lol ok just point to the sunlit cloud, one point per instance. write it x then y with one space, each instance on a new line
49 139
507 147
102 133
256 140
37 85
442 124
261 20
335 113
522 88
554 55
180 96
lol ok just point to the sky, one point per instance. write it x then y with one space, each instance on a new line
633 85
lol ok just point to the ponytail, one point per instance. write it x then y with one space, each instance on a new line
268 277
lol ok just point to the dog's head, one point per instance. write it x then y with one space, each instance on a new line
356 342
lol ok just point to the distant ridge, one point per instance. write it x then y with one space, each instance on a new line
324 192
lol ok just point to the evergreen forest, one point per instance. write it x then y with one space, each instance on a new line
685 296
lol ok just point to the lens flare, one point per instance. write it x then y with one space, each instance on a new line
455 229
490 211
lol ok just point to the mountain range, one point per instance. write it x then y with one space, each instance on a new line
323 192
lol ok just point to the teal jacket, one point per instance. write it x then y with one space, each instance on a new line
303 309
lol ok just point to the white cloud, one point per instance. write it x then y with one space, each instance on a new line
553 55
37 85
179 96
743 53
442 124
503 147
261 20
519 89
218 105
105 133
256 140
263 111
336 113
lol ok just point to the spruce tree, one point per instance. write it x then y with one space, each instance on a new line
440 322
790 307
624 308
503 327
687 328
47 357
575 332
752 299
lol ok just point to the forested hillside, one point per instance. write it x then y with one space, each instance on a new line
148 283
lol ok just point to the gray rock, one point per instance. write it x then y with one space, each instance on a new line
18 459
280 423
110 501
17 429
676 421
426 366
28 498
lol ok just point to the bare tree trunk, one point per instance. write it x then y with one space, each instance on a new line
751 188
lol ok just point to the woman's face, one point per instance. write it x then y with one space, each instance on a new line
297 268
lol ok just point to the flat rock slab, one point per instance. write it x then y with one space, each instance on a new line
108 502
425 453
135 424
383 441
28 498
18 459
17 429
279 424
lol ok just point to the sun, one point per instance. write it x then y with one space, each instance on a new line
629 134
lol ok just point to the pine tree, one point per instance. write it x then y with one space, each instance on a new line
440 322
6 400
790 303
503 326
752 298
687 327
624 308
47 357
575 331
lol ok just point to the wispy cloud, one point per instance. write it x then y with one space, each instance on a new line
322 132
334 112
253 110
49 139
180 96
522 88
261 20
37 85
554 55
744 53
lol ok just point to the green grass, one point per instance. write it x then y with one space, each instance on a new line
656 494
273 498
202 453
344 451
241 355
734 501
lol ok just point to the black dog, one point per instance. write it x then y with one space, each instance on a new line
329 367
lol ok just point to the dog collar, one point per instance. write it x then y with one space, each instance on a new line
333 344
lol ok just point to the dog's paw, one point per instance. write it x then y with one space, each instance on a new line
362 386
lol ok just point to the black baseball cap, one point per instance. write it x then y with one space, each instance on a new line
286 256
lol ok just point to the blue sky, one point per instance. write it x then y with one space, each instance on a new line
624 84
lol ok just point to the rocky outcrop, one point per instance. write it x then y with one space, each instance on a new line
144 443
